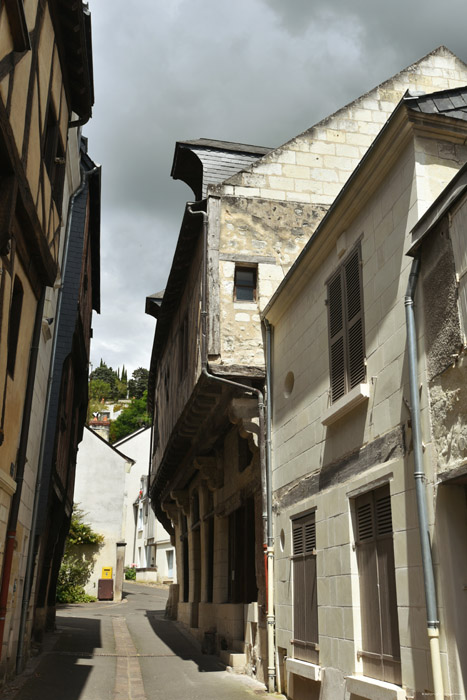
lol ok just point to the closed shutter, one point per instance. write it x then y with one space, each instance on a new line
346 328
305 597
354 318
378 603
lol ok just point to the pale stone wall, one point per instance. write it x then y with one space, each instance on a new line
305 452
312 167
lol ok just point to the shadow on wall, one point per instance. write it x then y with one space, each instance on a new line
169 633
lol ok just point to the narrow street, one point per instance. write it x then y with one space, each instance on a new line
106 651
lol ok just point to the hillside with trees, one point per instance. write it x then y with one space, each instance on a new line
108 387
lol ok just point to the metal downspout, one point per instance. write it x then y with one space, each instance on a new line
271 618
237 385
32 549
419 476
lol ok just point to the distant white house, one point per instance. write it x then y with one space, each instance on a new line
111 491
148 544
102 472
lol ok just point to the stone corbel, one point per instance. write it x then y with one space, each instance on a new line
244 414
171 509
209 471
182 499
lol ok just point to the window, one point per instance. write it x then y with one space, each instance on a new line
346 330
245 283
183 347
13 325
305 601
54 157
380 650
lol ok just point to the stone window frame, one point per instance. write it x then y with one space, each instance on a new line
248 288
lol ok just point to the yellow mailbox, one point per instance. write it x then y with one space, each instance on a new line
106 572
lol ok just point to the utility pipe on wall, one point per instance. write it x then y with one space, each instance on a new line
419 475
270 534
261 440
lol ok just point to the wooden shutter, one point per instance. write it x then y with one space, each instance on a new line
305 600
354 320
346 328
336 337
378 604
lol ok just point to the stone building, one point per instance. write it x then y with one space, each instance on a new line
209 455
368 452
46 95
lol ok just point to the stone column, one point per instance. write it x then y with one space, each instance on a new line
119 570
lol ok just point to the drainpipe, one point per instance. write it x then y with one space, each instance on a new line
21 463
270 548
247 389
419 475
32 550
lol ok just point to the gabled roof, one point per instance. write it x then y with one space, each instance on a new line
131 436
111 447
343 111
359 184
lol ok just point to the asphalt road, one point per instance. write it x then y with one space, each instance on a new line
105 651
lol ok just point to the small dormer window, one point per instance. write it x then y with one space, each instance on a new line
245 283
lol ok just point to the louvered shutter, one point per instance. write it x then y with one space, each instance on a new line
354 319
305 596
346 328
336 337
378 602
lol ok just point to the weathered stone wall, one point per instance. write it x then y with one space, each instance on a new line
271 235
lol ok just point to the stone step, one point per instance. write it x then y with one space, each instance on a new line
235 660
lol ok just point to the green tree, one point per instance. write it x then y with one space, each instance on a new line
99 390
133 417
118 386
139 383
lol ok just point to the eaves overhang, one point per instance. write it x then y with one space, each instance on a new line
187 164
377 162
72 24
183 258
95 181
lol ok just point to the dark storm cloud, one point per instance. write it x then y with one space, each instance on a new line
254 71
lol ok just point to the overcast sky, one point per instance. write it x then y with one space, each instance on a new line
253 71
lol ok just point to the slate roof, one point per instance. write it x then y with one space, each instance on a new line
450 103
204 162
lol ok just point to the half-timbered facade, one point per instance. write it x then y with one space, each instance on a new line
46 95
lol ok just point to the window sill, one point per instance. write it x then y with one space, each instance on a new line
372 689
305 669
346 403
